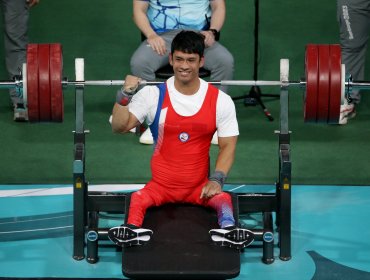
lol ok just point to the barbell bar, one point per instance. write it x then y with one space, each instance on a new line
326 84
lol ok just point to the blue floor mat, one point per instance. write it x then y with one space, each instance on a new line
330 231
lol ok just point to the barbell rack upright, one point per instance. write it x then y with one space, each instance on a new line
283 186
80 187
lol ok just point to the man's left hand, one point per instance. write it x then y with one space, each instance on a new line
209 38
210 189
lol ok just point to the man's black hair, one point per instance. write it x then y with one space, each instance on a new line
188 42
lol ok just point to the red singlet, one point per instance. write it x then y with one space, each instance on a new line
180 162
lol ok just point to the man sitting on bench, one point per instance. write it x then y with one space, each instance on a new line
183 113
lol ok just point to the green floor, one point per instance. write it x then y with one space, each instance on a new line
103 33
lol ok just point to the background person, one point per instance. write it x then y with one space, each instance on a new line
15 21
354 26
160 20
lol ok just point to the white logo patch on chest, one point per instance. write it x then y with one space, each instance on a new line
184 137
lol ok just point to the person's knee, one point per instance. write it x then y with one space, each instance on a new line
221 199
225 60
224 196
141 68
141 198
221 65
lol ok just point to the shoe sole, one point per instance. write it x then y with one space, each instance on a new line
220 241
236 238
20 117
126 237
344 119
146 142
146 138
346 114
17 119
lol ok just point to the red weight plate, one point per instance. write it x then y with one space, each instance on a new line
310 97
324 84
56 70
44 83
33 82
335 84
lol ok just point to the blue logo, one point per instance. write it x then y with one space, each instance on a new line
184 137
92 235
268 236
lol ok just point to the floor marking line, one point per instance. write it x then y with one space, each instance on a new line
32 230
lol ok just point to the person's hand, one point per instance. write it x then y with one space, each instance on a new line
210 189
209 38
124 95
157 44
32 3
131 84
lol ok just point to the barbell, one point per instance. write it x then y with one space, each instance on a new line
326 85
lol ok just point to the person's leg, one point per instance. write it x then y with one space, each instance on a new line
144 61
354 26
131 233
229 234
220 62
140 201
16 14
223 205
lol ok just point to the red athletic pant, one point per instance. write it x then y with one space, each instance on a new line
153 194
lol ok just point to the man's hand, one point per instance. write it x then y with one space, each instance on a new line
210 189
157 44
128 90
209 38
131 84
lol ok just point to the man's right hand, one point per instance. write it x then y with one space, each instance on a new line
131 84
125 94
157 44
